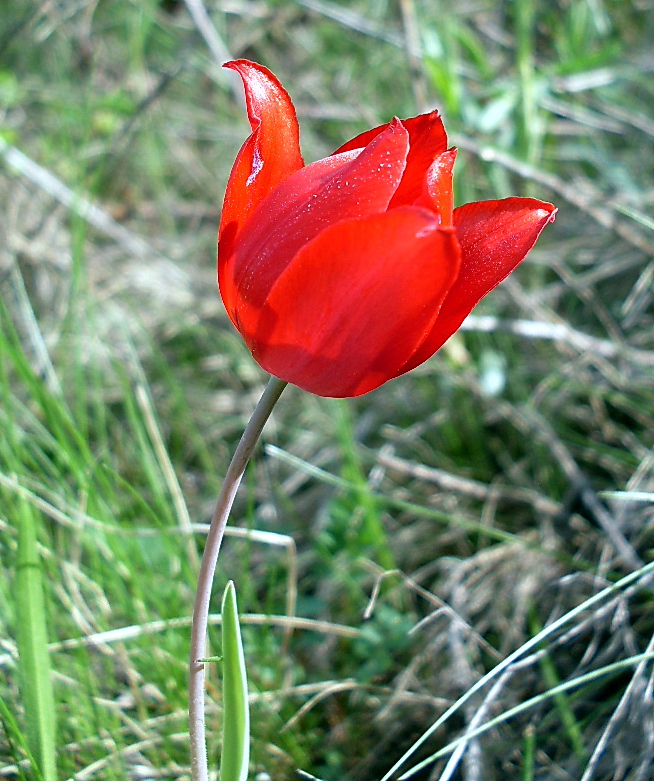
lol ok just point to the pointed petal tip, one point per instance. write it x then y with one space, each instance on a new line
396 126
248 68
243 64
268 157
552 210
543 210
262 88
240 66
544 213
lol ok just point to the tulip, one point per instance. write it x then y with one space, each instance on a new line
350 271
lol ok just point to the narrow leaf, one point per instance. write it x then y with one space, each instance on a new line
236 713
33 657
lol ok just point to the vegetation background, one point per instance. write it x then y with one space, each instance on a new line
393 549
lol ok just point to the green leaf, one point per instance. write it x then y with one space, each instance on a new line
236 713
33 657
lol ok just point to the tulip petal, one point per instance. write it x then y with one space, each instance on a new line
437 187
427 140
354 184
356 302
268 157
494 236
272 153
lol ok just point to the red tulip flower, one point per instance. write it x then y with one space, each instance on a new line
352 270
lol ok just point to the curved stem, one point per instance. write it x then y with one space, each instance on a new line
199 769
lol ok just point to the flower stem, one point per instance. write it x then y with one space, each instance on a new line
199 768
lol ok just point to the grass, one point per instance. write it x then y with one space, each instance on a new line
457 518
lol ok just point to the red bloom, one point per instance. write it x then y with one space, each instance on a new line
352 270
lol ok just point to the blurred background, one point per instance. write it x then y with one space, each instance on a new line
392 549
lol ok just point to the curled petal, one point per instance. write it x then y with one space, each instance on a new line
437 187
427 140
494 237
272 153
268 157
356 302
353 184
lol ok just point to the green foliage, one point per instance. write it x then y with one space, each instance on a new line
31 641
236 711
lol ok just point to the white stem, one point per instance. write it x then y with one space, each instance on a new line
199 768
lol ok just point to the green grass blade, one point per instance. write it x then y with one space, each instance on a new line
528 754
15 739
33 656
236 713
562 701
34 677
526 705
